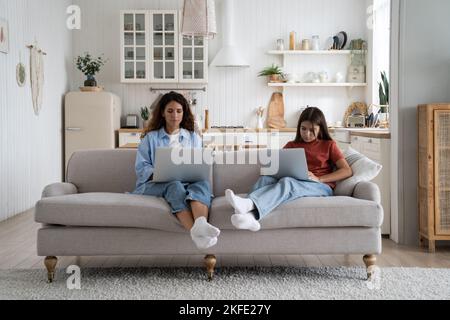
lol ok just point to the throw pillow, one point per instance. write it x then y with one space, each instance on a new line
363 169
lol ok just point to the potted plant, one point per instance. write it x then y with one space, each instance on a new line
274 73
383 93
90 66
145 115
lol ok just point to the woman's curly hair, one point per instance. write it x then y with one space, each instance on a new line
157 121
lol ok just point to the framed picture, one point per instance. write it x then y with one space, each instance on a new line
4 36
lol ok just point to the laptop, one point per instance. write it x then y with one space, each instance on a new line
182 164
291 163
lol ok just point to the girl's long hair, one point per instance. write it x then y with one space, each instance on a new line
158 121
316 117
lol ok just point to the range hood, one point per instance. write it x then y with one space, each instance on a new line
229 55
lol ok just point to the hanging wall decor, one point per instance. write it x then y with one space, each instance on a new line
4 36
21 74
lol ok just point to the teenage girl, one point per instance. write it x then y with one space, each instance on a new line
322 156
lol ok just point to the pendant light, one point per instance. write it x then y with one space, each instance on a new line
199 19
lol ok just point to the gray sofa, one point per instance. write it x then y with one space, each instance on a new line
93 215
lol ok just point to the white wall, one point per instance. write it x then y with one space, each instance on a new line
424 77
30 146
234 94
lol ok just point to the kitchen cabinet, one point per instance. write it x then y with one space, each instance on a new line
130 138
134 57
154 51
164 46
378 150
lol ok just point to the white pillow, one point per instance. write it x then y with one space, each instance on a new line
363 169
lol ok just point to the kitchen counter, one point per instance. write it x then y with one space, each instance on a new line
364 132
220 130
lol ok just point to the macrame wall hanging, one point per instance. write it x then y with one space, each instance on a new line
37 76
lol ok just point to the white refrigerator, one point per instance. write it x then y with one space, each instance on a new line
92 121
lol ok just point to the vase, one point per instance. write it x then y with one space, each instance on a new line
260 124
90 82
145 123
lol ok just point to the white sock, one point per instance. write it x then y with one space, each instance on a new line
204 242
245 221
241 205
202 228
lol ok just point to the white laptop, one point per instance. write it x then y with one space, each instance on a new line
182 164
291 163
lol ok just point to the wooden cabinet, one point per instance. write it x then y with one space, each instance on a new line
378 150
434 173
153 50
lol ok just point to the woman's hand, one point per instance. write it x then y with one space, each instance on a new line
312 176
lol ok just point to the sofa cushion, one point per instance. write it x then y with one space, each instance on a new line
308 213
363 169
107 210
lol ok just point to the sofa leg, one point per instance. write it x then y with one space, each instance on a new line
50 264
370 261
210 262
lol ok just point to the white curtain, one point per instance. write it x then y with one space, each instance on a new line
381 42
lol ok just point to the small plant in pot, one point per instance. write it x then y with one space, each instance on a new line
274 73
145 115
90 66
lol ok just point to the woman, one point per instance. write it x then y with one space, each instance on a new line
322 155
172 125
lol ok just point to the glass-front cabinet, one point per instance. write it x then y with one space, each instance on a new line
134 46
193 57
153 50
164 44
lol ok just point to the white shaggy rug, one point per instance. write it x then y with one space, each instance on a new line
233 283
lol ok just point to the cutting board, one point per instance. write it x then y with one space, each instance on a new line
275 113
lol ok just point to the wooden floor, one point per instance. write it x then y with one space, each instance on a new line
18 251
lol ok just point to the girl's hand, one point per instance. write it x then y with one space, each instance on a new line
312 176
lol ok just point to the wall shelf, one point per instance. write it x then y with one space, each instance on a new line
312 52
328 84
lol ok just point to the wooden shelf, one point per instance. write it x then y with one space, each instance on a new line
327 84
312 52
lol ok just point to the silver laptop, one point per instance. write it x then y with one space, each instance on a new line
291 163
185 165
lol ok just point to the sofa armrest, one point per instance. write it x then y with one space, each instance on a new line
59 189
367 190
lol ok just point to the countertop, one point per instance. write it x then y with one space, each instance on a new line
364 132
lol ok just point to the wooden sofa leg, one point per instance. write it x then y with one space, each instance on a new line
50 264
210 262
370 261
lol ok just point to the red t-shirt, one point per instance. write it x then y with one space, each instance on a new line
321 156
